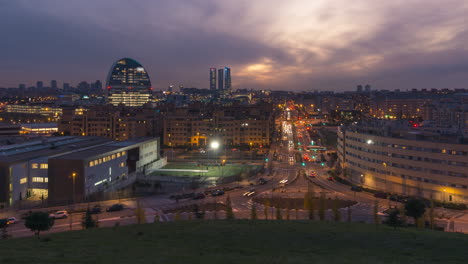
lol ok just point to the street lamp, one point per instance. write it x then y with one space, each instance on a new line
73 176
214 145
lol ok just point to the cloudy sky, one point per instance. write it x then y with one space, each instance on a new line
269 44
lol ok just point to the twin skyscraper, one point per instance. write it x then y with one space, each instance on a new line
220 81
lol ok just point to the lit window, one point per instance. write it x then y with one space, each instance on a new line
23 180
118 155
91 163
38 179
44 165
122 164
113 156
46 179
34 166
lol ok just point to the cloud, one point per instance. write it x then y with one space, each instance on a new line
295 44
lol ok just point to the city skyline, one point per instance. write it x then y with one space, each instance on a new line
398 45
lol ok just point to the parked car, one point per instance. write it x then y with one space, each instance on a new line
381 195
115 208
12 220
262 181
59 215
95 210
330 178
217 193
198 196
356 188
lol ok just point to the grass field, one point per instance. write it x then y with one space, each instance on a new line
213 171
240 241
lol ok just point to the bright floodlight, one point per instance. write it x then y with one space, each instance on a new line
214 145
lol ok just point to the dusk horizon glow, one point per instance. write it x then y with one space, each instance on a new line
295 45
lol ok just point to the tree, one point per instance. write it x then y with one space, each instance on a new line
4 226
309 204
140 213
431 215
415 208
198 214
88 221
253 212
349 214
38 221
278 213
336 210
394 218
265 208
321 210
177 216
376 213
229 211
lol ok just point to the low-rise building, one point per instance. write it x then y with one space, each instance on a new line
67 169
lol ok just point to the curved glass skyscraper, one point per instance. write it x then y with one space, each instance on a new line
128 83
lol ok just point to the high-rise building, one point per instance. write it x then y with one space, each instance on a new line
359 88
227 79
220 79
22 86
367 88
66 86
128 83
97 85
212 78
53 84
39 84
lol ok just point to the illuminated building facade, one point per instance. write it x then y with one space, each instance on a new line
212 79
390 157
128 83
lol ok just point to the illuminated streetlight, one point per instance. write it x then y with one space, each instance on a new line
214 145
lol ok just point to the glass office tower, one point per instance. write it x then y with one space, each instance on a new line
128 83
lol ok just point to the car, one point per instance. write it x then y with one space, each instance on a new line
217 193
313 174
198 196
356 188
95 210
59 215
330 178
249 193
262 181
115 208
381 195
11 220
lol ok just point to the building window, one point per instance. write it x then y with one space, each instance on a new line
34 166
91 163
44 165
122 164
38 179
23 180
